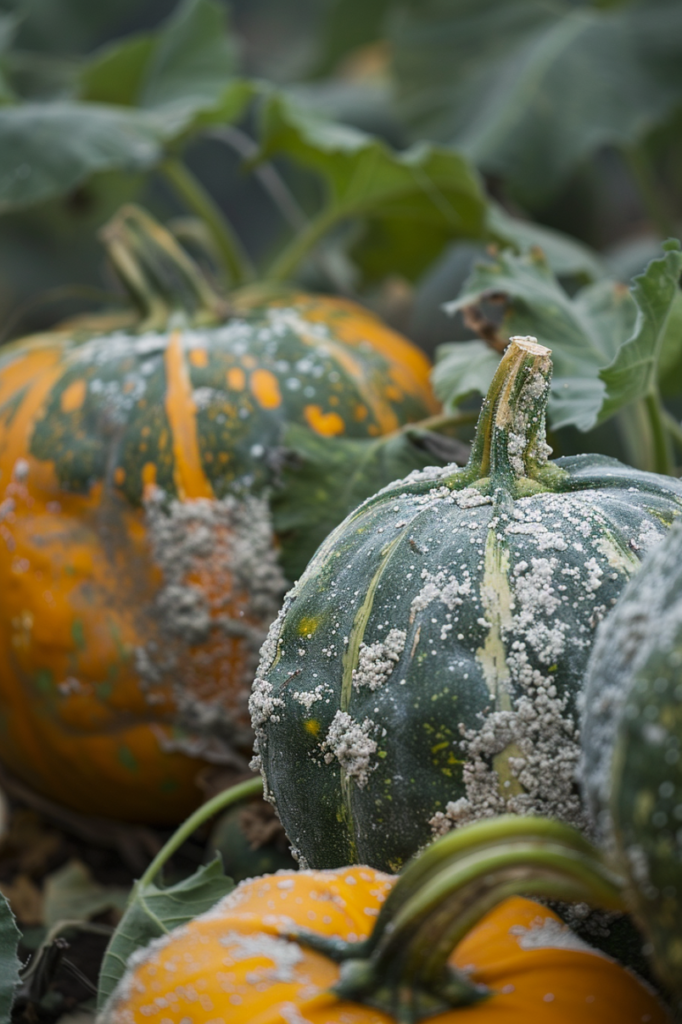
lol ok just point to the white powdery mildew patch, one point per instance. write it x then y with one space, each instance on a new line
546 933
535 742
352 745
221 588
376 661
285 955
443 587
309 697
469 497
262 703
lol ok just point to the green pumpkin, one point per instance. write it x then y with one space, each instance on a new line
632 742
424 671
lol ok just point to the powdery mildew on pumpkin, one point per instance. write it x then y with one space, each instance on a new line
523 758
622 646
546 933
351 743
376 661
221 587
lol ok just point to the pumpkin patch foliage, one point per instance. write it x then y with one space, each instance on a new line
395 648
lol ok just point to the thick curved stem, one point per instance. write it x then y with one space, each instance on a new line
157 272
403 967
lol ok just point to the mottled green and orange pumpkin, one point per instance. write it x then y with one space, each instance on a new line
139 566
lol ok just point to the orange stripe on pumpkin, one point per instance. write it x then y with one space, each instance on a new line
188 472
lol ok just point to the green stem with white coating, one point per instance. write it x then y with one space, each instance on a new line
403 967
509 454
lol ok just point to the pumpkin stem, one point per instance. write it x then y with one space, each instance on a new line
510 451
159 275
403 969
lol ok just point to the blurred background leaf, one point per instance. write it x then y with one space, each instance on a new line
571 109
531 89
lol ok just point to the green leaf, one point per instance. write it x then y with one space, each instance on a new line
606 341
8 26
193 60
72 894
326 478
153 911
414 200
9 961
634 371
349 25
566 256
530 89
46 149
187 63
116 72
463 368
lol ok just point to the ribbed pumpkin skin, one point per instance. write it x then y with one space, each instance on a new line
632 743
231 964
140 569
425 669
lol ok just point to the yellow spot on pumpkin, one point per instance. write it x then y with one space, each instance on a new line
308 625
360 413
149 474
393 394
312 726
326 423
119 475
198 357
265 389
73 396
236 378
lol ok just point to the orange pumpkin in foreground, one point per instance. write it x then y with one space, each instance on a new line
233 966
139 567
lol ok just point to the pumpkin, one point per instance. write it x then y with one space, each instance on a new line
140 569
424 670
353 945
632 744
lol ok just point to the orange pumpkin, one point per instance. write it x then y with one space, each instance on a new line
140 570
235 963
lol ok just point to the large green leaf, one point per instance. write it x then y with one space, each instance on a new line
326 478
179 79
9 961
153 912
634 371
189 62
566 256
115 73
529 89
46 149
414 200
606 341
463 368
